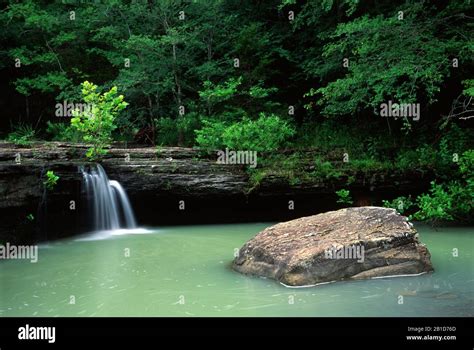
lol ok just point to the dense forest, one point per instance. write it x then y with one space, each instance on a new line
368 85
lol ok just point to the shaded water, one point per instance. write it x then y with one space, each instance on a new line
184 271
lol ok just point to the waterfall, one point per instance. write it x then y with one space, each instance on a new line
109 204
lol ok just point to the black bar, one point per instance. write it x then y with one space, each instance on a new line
372 332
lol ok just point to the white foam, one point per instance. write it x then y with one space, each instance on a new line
105 234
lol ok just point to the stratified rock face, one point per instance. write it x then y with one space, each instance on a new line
352 243
155 177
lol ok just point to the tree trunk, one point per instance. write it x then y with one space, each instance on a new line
152 121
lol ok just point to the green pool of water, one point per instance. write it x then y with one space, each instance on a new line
185 271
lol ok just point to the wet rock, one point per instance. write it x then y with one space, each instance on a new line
352 243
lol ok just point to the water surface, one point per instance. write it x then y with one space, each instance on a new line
185 271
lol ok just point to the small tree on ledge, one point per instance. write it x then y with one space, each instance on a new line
96 119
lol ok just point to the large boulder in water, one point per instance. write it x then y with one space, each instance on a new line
352 243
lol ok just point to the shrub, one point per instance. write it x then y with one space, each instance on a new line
210 136
453 200
51 180
186 126
449 201
401 204
22 135
438 158
368 165
329 135
166 132
437 205
97 123
344 197
325 170
63 132
179 131
261 135
267 133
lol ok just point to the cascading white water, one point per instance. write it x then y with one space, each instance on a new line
111 208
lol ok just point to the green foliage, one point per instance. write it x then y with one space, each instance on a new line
216 93
290 168
191 63
368 165
258 91
51 180
325 170
63 132
179 131
401 204
453 200
22 135
297 168
376 71
469 87
256 176
437 205
166 131
279 60
331 135
267 133
411 159
220 99
185 126
466 165
344 197
209 137
440 157
97 122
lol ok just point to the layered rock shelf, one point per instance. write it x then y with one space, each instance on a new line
166 185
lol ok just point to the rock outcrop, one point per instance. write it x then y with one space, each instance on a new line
352 243
159 179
